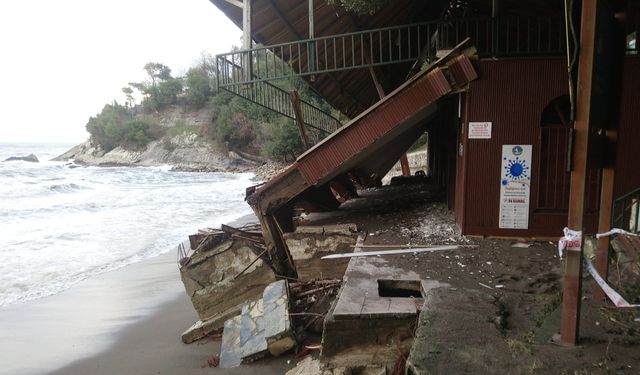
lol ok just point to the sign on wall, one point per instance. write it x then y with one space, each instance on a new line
479 130
515 186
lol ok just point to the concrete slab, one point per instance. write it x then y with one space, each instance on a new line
230 355
278 330
252 342
359 296
366 329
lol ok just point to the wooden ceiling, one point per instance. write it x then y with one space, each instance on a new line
353 91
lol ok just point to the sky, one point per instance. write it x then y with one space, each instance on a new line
62 61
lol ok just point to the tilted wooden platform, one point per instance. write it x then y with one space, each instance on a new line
368 146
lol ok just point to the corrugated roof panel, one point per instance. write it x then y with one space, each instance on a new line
375 124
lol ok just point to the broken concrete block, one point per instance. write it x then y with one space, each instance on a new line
374 370
252 342
230 355
310 243
307 366
463 315
278 331
367 327
209 276
198 330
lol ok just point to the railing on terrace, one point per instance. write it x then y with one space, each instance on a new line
278 100
625 212
500 37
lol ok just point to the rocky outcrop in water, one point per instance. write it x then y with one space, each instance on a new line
182 152
181 148
30 158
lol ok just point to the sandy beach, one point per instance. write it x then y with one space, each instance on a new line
126 321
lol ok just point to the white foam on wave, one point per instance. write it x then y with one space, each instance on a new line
50 240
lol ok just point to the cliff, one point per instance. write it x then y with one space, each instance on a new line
181 147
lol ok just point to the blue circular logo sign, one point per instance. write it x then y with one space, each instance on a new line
517 150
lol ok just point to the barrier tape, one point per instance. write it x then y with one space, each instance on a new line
616 298
571 241
616 231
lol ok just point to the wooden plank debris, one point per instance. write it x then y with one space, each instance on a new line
398 251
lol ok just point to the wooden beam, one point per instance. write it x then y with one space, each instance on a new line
572 288
295 102
246 40
237 3
604 221
246 24
311 23
404 161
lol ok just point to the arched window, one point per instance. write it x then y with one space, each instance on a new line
554 184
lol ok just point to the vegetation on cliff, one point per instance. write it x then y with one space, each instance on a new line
236 124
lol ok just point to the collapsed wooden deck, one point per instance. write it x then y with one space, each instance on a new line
365 149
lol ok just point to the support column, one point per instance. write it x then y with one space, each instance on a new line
295 102
246 39
572 288
604 221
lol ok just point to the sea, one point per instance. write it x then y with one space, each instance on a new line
61 223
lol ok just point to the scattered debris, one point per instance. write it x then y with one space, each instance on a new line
395 251
226 269
307 244
522 245
264 326
212 361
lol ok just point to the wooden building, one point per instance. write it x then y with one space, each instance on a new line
520 102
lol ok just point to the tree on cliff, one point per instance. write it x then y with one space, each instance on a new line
160 90
115 126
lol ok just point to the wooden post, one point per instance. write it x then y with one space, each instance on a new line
246 39
604 221
295 102
572 288
404 162
311 27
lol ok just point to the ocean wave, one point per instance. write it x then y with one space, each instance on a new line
65 188
61 226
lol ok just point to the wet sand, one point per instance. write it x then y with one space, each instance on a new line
126 321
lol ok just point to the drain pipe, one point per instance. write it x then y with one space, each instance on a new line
569 29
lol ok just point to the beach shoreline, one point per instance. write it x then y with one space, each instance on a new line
125 321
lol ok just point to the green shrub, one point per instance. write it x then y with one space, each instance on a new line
114 126
283 140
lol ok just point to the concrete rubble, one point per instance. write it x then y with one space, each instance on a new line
264 326
372 319
308 244
222 273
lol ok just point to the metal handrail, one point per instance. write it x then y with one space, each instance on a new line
493 37
625 212
277 99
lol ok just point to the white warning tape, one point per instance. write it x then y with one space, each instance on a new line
616 231
616 298
571 241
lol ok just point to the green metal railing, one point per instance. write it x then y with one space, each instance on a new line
278 100
499 37
625 213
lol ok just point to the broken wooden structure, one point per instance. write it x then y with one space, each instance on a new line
537 64
227 268
365 149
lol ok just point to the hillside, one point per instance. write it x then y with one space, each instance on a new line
181 147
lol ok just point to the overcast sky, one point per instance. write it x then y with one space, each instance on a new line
62 60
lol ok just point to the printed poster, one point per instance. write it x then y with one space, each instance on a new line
515 186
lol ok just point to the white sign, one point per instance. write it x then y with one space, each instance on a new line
515 186
479 130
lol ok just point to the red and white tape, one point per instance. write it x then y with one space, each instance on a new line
614 296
